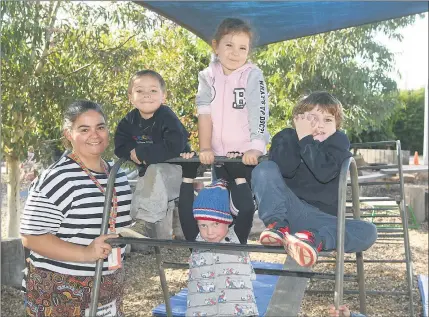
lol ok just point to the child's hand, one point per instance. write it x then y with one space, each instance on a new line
207 156
134 157
187 155
234 154
251 157
305 124
343 311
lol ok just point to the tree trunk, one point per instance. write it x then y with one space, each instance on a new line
13 187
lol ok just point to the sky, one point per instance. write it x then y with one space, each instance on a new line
411 54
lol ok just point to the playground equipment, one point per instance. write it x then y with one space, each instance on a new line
348 165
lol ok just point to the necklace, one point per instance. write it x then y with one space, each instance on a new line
149 126
114 210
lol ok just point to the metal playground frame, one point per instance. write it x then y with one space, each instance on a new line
348 166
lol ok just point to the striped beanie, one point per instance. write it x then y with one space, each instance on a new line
212 203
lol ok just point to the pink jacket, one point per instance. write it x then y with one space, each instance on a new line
238 105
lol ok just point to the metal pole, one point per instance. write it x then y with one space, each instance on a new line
218 159
359 255
277 272
163 280
341 218
104 224
425 135
404 216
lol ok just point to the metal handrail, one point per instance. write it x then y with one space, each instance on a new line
104 224
348 165
377 143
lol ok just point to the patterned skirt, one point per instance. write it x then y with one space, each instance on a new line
59 295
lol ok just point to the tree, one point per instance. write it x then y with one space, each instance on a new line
48 62
178 56
348 63
92 51
407 123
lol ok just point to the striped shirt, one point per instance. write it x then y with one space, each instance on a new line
65 202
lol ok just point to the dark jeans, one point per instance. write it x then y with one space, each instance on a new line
277 201
241 196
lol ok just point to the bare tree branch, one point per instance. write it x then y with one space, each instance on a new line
79 69
48 35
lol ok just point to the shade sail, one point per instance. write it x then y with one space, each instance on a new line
276 21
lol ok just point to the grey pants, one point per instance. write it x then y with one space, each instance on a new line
277 201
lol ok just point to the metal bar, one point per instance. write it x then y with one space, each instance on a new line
363 145
196 245
366 261
387 223
376 208
380 216
104 224
316 275
313 291
382 230
218 159
163 280
341 220
376 183
359 255
390 236
362 199
404 217
377 167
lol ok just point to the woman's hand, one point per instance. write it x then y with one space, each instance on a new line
250 157
98 249
206 156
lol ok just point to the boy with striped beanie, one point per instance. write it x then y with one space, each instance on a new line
220 281
211 210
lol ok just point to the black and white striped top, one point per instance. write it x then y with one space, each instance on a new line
65 202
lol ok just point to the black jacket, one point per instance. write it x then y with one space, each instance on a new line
311 168
157 139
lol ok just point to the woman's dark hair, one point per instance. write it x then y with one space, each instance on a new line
74 110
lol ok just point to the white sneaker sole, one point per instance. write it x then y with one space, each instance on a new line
271 239
303 254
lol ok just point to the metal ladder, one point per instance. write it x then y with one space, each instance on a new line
386 212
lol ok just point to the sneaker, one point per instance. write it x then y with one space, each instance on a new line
274 234
302 247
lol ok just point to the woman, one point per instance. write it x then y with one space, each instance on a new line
62 220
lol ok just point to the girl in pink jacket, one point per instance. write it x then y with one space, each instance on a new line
232 106
232 99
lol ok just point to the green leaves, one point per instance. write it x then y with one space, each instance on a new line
348 63
58 51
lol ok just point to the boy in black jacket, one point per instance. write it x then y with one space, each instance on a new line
151 133
297 189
